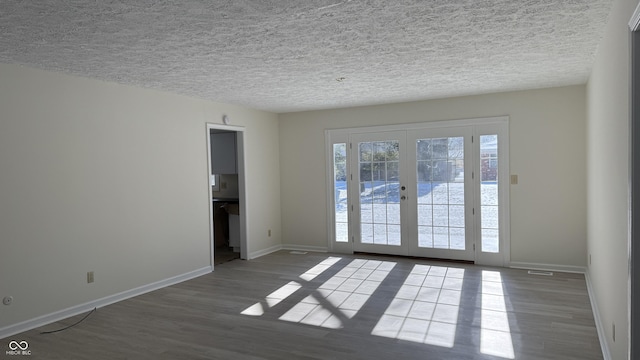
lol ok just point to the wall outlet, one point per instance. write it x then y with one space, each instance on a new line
89 277
514 179
269 232
8 300
613 332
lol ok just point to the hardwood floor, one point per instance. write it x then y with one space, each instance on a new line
328 306
224 254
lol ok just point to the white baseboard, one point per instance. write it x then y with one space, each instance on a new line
263 252
548 267
107 300
598 319
294 247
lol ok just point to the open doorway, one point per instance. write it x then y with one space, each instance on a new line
226 193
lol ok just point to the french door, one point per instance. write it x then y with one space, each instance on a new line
442 193
379 184
432 191
411 193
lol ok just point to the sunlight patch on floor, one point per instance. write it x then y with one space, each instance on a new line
319 269
495 333
254 310
273 299
342 296
336 300
290 288
282 293
425 308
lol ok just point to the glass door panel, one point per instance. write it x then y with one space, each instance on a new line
491 163
440 175
341 215
441 193
489 224
378 158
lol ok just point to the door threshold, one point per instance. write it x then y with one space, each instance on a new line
454 261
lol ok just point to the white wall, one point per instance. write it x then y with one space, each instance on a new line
547 143
262 169
101 177
608 171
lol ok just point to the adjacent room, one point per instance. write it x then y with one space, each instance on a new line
317 180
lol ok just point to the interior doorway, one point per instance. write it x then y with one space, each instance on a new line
227 203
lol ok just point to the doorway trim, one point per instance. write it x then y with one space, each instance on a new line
634 188
242 199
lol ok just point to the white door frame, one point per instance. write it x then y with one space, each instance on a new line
336 136
634 190
239 130
504 187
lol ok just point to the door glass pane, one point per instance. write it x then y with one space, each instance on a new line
440 178
340 191
489 193
378 163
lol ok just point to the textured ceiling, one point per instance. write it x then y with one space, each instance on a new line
287 56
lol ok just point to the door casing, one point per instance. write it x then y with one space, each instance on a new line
239 130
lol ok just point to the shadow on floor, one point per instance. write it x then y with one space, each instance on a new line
224 254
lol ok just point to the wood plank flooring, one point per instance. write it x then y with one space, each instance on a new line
328 306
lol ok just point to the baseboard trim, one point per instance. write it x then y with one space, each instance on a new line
548 267
263 252
294 247
98 303
597 318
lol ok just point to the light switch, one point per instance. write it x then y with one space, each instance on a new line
514 179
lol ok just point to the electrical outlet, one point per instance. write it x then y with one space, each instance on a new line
8 300
613 333
269 232
89 277
514 179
